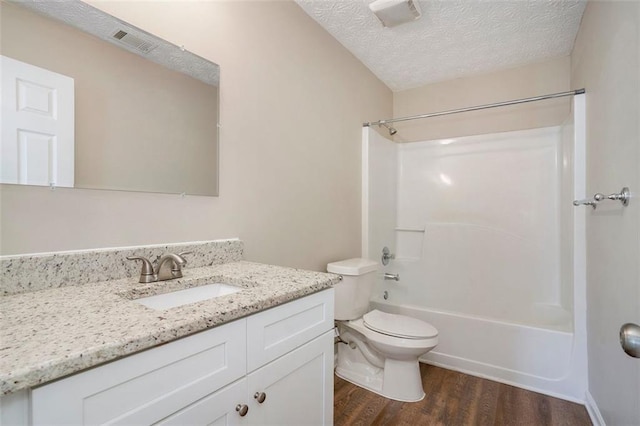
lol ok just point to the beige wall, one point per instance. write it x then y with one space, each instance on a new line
138 125
516 83
606 61
292 104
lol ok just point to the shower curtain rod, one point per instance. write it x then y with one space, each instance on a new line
475 108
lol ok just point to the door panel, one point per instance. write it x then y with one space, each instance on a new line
36 154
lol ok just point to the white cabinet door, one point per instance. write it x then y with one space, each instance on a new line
217 409
298 387
37 145
148 386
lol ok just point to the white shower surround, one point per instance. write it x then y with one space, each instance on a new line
495 269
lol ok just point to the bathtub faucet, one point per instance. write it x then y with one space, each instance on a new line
388 276
387 256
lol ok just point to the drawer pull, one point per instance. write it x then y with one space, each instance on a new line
242 409
260 396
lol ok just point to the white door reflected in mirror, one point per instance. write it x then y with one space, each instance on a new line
37 125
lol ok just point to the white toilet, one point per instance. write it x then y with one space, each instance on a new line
382 350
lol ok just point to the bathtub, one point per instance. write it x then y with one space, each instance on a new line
540 359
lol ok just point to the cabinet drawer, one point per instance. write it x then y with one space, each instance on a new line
276 331
148 386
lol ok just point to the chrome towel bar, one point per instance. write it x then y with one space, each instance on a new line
586 202
623 196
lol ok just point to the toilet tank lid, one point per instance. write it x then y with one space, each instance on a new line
356 266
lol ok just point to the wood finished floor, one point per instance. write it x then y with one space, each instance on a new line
454 399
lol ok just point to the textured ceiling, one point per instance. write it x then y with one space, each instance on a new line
453 38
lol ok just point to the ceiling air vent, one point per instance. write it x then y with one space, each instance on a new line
395 12
134 42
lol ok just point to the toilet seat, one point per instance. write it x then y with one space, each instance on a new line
398 325
386 339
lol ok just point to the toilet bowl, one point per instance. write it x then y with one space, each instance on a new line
378 351
383 363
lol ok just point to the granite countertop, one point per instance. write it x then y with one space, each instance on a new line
48 334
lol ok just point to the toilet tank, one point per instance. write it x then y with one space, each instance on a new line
352 294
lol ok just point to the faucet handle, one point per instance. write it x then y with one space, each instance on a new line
146 274
181 254
176 269
170 266
387 255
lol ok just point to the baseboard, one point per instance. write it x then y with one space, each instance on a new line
592 409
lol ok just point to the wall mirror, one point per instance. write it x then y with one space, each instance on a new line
90 101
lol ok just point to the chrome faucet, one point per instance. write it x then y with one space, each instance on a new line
388 276
169 267
387 256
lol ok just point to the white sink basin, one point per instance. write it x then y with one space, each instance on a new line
184 297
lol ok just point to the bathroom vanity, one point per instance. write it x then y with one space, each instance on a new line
91 354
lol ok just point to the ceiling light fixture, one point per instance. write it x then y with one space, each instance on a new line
395 12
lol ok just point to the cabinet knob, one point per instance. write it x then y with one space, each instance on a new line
242 409
260 396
